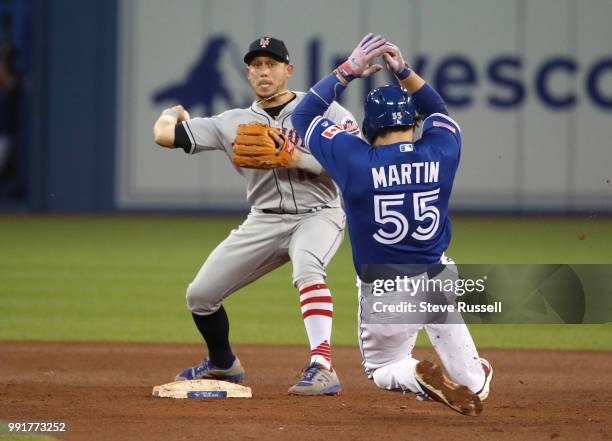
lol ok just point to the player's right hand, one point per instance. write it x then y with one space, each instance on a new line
358 63
182 114
177 112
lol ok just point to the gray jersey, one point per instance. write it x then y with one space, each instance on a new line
286 190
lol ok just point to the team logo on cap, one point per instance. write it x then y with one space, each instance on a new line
264 42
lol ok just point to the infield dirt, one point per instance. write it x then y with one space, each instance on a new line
103 390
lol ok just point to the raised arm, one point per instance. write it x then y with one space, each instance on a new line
328 142
322 94
425 98
163 129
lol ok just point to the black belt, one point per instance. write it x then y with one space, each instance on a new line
312 210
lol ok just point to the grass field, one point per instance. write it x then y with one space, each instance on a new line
124 279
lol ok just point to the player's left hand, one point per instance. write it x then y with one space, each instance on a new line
395 61
260 146
358 63
393 57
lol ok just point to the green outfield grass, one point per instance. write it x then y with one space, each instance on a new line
124 279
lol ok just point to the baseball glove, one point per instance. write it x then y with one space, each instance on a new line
258 145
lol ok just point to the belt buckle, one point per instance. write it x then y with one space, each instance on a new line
319 208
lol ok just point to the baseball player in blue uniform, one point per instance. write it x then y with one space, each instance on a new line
396 191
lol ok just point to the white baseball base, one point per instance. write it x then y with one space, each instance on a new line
202 389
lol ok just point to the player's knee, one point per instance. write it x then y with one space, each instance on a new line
200 301
382 379
306 279
307 268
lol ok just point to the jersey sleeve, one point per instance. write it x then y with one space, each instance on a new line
343 118
332 146
443 126
199 134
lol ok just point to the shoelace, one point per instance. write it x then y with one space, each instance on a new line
206 365
311 371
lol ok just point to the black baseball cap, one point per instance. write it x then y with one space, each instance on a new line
267 46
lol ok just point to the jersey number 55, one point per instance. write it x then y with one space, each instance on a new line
386 212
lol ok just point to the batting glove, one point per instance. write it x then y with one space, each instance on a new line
358 63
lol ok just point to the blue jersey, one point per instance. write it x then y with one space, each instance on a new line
395 196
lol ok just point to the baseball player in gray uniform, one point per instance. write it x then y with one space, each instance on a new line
295 216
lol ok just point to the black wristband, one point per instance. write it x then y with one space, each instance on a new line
181 139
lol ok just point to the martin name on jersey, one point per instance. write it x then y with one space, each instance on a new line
404 174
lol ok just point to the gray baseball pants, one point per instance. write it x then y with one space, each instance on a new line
262 243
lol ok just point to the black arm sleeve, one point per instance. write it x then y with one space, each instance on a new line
181 139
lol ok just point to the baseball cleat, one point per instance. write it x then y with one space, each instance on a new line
488 370
440 388
316 380
233 374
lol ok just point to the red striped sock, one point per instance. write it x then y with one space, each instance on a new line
317 311
323 350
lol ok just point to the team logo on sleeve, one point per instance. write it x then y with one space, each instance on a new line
349 125
332 131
